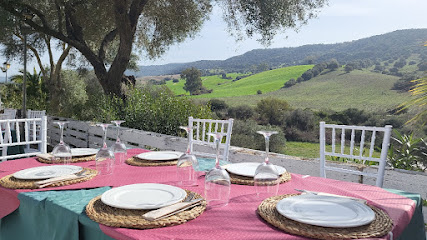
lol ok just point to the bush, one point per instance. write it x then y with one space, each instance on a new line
307 75
242 112
300 125
175 80
407 152
271 111
151 109
259 92
290 83
217 104
245 135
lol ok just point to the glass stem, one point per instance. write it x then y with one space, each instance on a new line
105 138
118 134
267 143
61 127
217 152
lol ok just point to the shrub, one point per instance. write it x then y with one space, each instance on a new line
290 83
217 104
242 112
175 80
259 92
307 75
271 110
300 125
245 135
407 152
155 109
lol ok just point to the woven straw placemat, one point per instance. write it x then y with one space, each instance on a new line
13 183
379 227
242 180
73 160
149 163
128 218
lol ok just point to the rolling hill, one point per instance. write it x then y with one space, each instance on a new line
381 47
267 81
336 90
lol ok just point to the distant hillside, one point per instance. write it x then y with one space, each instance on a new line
383 47
337 91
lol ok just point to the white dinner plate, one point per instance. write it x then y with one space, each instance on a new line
143 196
160 155
325 211
77 152
46 172
247 169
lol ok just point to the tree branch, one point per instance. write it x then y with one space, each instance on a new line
107 39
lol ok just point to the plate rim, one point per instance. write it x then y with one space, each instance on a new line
290 201
157 152
114 190
250 175
18 173
87 154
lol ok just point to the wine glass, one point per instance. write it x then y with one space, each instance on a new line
105 157
217 180
266 179
61 152
119 148
187 164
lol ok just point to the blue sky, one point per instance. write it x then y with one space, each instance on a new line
340 21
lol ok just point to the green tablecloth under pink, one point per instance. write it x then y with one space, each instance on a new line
238 220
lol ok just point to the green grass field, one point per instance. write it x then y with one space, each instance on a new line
267 81
337 91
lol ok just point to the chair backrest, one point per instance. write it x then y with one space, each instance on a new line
35 114
199 136
11 112
27 137
360 136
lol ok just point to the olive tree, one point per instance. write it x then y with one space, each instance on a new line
92 27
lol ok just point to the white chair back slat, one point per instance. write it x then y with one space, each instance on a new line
363 157
342 140
10 112
352 141
39 136
362 144
18 133
333 140
205 126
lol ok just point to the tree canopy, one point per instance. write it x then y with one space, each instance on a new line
106 32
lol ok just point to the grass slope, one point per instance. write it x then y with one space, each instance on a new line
267 81
337 90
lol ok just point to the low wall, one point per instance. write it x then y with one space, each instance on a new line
87 134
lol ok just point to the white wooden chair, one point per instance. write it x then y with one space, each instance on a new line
26 139
11 112
368 135
199 136
34 114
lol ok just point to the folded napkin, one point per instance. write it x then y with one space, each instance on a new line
45 156
50 181
170 210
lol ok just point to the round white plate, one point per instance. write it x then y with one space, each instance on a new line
46 172
248 169
143 196
159 155
325 211
76 152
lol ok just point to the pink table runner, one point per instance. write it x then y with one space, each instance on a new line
238 220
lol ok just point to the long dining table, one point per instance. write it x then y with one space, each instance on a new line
59 212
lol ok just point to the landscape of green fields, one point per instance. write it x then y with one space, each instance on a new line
335 90
267 81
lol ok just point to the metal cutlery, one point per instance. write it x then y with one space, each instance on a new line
50 181
329 194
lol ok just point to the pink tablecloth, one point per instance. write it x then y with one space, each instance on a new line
238 220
